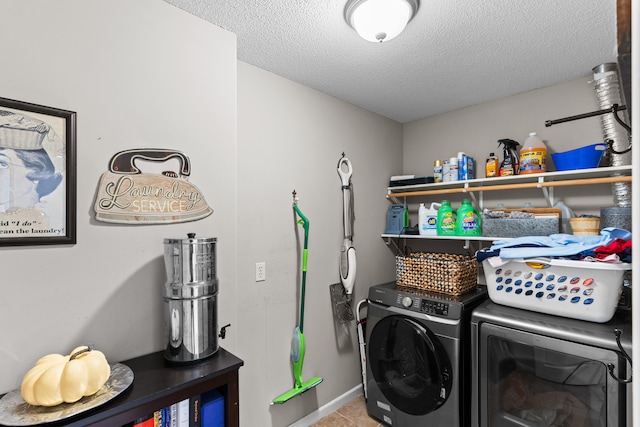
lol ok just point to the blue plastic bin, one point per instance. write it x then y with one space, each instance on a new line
581 158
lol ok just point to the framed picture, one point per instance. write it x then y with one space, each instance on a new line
37 174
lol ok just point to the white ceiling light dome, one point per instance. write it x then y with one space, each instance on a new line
379 20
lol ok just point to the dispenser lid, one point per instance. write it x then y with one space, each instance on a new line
191 238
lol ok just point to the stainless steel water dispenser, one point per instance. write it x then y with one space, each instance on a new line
190 299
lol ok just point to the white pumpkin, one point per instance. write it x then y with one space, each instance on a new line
56 378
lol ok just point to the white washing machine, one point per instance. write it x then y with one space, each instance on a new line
418 356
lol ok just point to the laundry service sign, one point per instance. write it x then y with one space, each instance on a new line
156 195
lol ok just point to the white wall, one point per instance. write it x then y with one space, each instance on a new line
291 137
139 74
476 130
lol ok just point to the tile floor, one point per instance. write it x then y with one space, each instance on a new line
352 414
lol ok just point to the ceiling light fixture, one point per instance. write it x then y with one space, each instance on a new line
379 20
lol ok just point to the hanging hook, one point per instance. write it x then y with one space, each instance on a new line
614 109
611 366
610 143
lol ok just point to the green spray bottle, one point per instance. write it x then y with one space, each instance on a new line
446 220
468 222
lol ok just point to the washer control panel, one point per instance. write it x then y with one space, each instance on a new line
435 307
427 306
428 303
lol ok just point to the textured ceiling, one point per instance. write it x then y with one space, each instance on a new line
453 54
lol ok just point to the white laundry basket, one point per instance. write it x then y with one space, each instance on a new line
577 289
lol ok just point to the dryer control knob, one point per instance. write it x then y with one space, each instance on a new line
407 302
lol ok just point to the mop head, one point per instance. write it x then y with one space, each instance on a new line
298 390
297 357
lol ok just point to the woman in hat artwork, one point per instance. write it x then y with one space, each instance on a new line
27 173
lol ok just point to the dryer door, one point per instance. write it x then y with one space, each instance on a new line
409 365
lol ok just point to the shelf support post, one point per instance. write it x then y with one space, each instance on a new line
391 242
547 191
465 190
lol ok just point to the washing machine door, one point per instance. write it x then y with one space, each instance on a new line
409 365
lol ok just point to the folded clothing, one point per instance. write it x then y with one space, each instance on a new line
557 245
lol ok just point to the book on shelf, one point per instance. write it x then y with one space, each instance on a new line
186 413
146 421
195 419
173 415
182 413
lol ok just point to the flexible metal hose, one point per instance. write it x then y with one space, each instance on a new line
607 87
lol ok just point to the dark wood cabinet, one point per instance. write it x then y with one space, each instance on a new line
158 384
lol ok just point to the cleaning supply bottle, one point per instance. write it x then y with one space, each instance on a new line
511 161
428 219
468 222
491 166
446 219
533 155
462 166
437 171
453 168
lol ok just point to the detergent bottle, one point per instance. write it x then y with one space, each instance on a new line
428 219
533 155
468 222
510 160
446 219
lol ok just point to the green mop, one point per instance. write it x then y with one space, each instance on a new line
297 342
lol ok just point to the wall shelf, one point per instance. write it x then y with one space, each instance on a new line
390 238
416 236
545 181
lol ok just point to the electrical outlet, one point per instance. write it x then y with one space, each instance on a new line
261 271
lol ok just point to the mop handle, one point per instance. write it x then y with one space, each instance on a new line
305 224
305 255
345 170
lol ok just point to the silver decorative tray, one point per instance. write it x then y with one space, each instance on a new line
14 411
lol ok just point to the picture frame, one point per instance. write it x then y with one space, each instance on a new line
37 174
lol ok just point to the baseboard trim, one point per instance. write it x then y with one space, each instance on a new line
329 408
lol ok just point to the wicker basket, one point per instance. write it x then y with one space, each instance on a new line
446 273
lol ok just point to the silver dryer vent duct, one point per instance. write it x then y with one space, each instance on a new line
607 87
